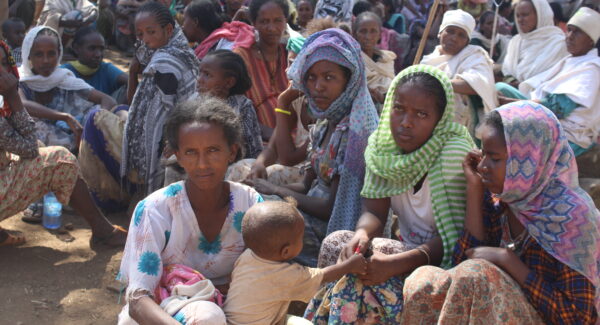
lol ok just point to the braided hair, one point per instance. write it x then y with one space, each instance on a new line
159 12
255 6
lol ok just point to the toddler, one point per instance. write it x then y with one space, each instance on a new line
264 282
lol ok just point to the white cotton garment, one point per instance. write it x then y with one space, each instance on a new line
474 66
537 51
578 77
415 215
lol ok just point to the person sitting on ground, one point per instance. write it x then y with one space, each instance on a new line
482 36
538 46
413 168
264 280
27 172
196 222
329 71
223 74
529 252
121 156
306 12
59 100
389 39
379 64
468 66
266 60
205 24
13 31
392 18
89 45
571 88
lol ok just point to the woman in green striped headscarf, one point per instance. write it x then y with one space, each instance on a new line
414 167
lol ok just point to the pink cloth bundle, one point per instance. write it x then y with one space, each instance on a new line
178 274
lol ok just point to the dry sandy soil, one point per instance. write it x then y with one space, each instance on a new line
49 280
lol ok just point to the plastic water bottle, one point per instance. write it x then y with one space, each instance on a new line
52 212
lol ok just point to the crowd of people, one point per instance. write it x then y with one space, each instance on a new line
274 151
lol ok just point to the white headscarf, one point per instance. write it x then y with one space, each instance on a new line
460 19
60 77
531 53
588 21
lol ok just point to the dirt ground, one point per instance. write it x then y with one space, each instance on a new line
49 280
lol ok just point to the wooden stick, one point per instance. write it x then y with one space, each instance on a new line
492 45
423 41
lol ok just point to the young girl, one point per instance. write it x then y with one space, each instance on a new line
196 222
53 94
28 172
529 255
89 46
132 151
379 64
223 74
413 168
330 72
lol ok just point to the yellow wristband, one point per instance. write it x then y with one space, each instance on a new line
283 111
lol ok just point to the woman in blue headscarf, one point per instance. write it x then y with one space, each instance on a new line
330 72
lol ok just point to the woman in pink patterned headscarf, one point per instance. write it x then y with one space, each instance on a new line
533 256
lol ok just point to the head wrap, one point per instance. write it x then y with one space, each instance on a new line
5 110
588 20
339 47
391 172
60 77
460 19
542 189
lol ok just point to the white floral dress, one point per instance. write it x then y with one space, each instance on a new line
164 230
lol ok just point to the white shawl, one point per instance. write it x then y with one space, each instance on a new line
531 53
65 6
474 66
579 78
381 73
502 39
60 77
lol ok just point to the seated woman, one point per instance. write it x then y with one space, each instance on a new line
529 254
204 23
28 173
570 88
330 72
266 60
89 45
468 66
117 151
537 47
306 12
52 94
482 36
379 64
413 168
196 222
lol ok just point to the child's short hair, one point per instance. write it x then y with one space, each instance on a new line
234 66
269 225
82 33
209 109
9 22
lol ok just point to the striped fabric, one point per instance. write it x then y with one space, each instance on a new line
390 172
263 93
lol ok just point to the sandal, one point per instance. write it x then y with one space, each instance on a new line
33 214
13 238
118 230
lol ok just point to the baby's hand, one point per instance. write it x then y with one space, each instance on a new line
356 264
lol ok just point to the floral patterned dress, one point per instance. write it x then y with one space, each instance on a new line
164 231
